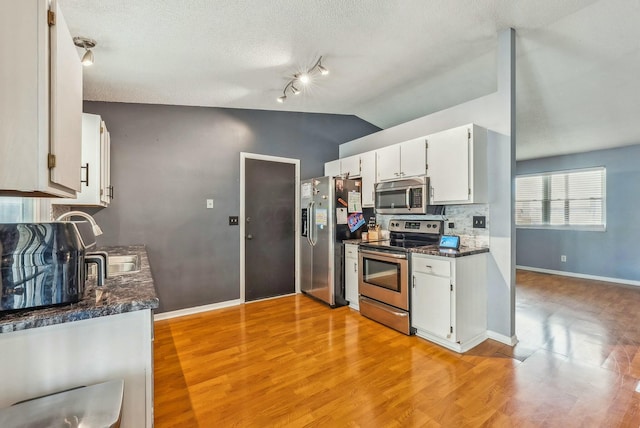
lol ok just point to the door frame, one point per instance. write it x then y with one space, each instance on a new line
242 222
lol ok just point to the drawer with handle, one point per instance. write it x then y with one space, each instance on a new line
431 266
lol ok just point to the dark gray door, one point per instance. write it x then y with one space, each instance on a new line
270 202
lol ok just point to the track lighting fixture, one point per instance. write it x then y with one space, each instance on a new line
302 79
87 44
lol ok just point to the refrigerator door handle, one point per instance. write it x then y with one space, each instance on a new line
311 219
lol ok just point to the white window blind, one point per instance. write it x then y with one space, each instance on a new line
562 199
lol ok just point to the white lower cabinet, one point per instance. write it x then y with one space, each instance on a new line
449 300
44 360
351 275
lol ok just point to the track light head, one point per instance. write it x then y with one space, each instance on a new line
282 99
304 78
295 90
323 70
87 44
87 58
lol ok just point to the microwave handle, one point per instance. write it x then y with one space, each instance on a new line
408 198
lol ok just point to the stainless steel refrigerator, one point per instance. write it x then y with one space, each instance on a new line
331 211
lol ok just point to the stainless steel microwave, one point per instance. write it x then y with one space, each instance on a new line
407 196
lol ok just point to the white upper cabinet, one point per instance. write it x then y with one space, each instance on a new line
41 102
388 163
350 167
96 189
361 166
331 169
407 159
457 166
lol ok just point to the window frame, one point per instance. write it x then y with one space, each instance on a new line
40 210
573 227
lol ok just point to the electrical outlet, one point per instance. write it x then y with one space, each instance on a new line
479 222
233 220
209 203
451 225
563 258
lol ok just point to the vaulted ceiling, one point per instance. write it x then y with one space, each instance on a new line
390 61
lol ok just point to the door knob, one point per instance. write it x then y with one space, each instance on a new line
249 236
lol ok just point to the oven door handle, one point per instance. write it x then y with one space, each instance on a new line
382 254
384 307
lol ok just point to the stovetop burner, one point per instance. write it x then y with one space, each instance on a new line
407 234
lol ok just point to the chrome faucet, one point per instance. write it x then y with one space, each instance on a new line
96 229
99 258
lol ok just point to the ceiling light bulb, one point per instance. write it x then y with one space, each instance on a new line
304 78
87 58
282 98
323 70
295 90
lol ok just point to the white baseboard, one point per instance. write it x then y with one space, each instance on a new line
196 310
580 275
511 341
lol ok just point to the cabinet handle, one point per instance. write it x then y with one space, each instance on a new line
355 266
86 168
111 192
429 266
414 281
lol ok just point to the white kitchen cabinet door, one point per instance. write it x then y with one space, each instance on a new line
94 173
351 275
41 102
457 166
368 174
332 169
106 188
413 158
431 304
388 163
65 104
350 166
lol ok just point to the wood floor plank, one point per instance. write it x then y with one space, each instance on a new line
293 362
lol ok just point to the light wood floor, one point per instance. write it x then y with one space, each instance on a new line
293 362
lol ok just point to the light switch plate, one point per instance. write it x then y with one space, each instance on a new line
209 203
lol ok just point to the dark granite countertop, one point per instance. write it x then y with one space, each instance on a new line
121 293
432 250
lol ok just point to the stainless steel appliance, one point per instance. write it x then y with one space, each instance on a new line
384 271
407 196
41 264
330 212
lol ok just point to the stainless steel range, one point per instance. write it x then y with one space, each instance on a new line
384 284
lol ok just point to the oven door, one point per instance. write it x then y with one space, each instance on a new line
384 277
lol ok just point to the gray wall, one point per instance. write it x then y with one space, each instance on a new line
166 160
612 253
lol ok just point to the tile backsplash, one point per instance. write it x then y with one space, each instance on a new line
462 218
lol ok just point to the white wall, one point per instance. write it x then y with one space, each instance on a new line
495 112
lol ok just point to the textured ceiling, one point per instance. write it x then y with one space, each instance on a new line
578 61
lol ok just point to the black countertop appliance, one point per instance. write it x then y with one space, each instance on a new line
41 264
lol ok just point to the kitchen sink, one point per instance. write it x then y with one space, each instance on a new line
123 264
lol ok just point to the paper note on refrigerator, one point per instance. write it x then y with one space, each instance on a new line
321 217
355 202
305 191
341 216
